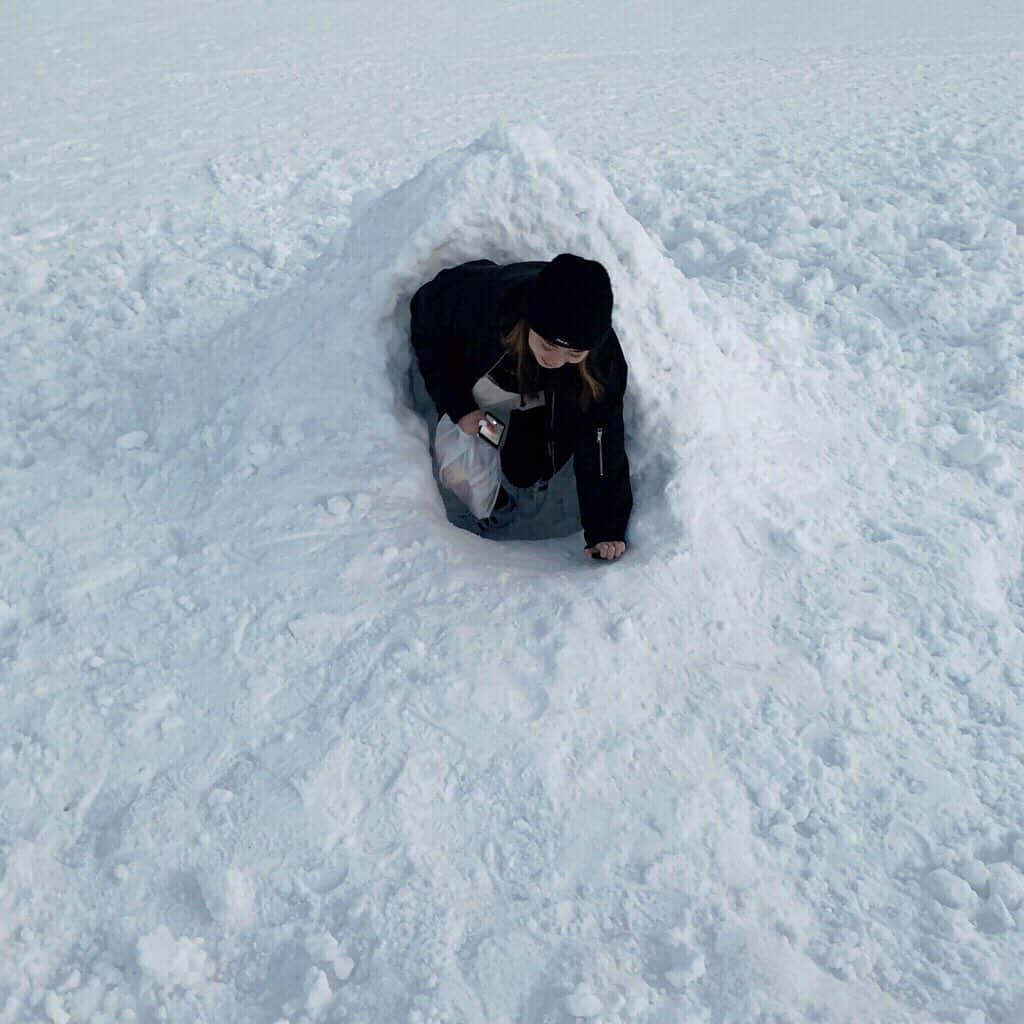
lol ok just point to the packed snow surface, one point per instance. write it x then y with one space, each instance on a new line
281 744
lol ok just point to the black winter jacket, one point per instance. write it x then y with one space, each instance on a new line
457 327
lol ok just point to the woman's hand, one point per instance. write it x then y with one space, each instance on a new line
470 423
607 550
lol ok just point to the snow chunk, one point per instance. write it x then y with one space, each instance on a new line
583 1003
320 993
970 422
229 895
975 874
968 451
72 981
948 889
173 962
339 506
54 1010
343 966
35 276
133 440
325 948
1008 884
1018 853
994 917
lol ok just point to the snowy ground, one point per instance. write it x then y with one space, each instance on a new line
278 743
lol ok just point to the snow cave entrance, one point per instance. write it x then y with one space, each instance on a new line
514 195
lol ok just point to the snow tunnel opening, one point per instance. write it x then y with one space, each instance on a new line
553 515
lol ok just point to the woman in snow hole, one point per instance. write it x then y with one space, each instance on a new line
533 343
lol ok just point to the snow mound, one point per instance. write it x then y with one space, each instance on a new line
327 364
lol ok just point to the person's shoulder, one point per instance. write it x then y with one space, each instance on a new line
504 272
613 347
608 366
472 268
609 363
476 265
462 279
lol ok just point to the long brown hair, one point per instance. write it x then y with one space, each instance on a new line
517 340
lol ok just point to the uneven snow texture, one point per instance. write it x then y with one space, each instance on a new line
279 743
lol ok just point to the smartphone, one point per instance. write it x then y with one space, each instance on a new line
491 429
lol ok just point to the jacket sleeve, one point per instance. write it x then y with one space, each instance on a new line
441 321
602 471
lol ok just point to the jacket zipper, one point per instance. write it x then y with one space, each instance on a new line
551 435
600 449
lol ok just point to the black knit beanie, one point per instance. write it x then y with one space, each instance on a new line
569 303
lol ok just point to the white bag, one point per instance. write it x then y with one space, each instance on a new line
468 467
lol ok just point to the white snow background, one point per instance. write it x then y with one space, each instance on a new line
279 743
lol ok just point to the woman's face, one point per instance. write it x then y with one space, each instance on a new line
553 357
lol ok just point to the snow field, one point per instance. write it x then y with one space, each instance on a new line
278 743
